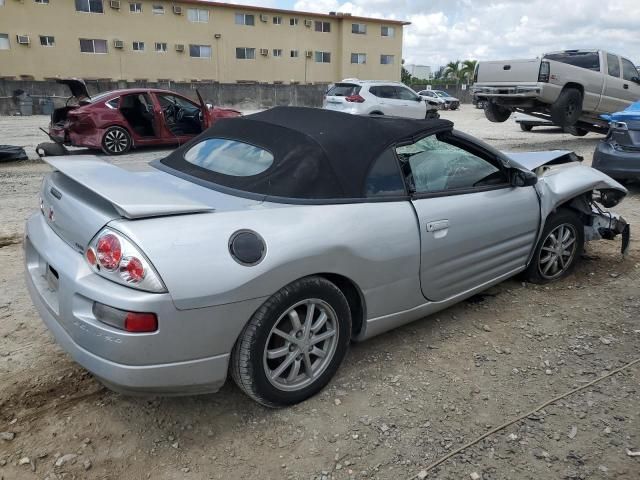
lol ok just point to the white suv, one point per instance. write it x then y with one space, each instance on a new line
373 97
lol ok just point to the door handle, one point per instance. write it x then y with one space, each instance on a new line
626 86
437 225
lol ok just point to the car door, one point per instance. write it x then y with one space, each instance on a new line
475 227
613 92
630 79
408 103
386 99
206 115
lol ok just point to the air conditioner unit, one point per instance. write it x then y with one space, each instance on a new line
264 51
308 53
23 39
179 47
118 44
308 23
177 10
115 4
264 18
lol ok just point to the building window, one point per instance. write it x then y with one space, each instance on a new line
387 59
41 2
323 26
198 15
359 28
200 51
138 46
294 54
157 9
293 22
135 7
92 45
277 52
244 53
323 57
245 19
47 41
277 20
359 58
161 47
4 40
387 31
89 6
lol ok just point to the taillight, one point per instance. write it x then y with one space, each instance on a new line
140 322
115 257
134 322
354 98
545 71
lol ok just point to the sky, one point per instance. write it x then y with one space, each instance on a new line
448 30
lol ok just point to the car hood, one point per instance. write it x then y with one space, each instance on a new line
631 113
533 160
77 87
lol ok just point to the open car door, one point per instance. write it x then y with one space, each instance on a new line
205 116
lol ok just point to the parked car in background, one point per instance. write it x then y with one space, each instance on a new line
571 88
618 155
372 97
119 120
432 97
262 247
450 102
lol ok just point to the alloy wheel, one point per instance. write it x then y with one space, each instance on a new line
301 345
558 251
116 141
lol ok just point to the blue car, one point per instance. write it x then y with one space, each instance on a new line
618 155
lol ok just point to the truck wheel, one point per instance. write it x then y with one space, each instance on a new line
496 113
576 131
567 109
525 127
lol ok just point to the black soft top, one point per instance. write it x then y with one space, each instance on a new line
318 154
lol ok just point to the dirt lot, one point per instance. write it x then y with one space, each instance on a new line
400 401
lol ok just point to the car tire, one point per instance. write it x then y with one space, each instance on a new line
431 114
566 110
256 364
116 141
496 113
526 127
546 265
576 131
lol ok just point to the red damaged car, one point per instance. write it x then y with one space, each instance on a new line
119 120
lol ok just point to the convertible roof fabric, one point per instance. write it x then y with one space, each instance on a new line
318 154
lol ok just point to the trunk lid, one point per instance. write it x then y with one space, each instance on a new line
509 71
84 193
77 87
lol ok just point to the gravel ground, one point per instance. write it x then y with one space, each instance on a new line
399 402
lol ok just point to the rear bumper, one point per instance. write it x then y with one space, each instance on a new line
546 93
91 138
615 163
188 354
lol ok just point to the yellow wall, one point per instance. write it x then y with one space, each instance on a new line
60 19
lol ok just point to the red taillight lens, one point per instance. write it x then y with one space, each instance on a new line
140 322
91 256
132 270
545 71
354 99
109 251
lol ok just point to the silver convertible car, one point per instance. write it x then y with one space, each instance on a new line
267 244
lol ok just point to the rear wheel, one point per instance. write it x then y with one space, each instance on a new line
293 344
566 110
116 141
432 114
558 249
576 131
496 113
525 127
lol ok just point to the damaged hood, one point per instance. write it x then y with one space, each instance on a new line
533 160
77 87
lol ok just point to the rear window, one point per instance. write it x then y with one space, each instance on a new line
229 157
344 90
588 60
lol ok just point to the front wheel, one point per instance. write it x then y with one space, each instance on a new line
558 249
432 114
116 141
293 344
496 113
525 127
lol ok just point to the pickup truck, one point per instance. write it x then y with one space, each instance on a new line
571 88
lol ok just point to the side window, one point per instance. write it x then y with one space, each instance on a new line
384 179
629 70
431 165
613 65
382 91
404 93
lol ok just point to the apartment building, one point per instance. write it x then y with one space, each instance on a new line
192 40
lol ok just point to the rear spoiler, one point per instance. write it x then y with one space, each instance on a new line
133 194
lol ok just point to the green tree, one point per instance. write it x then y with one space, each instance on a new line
453 70
468 67
405 76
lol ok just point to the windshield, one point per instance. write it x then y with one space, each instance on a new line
100 96
229 157
440 93
343 90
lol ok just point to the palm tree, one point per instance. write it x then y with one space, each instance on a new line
468 67
452 70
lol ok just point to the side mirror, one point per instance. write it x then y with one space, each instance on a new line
522 178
